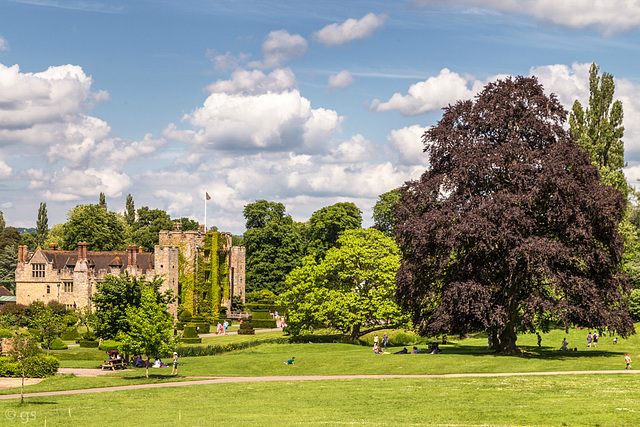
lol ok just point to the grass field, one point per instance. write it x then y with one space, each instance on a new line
593 399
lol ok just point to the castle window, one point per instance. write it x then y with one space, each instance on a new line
68 286
48 289
37 270
206 276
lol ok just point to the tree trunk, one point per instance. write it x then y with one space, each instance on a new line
22 387
508 338
147 366
355 332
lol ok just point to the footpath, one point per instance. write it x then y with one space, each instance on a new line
222 380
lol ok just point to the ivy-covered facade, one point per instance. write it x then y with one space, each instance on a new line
210 269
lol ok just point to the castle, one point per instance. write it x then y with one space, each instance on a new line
203 277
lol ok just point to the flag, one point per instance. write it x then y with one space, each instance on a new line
208 197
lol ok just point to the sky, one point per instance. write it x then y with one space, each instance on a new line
307 103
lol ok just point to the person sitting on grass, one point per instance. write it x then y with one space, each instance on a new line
403 351
290 361
415 350
564 345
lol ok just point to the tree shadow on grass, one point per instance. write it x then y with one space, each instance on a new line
528 352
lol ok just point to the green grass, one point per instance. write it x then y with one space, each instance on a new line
553 400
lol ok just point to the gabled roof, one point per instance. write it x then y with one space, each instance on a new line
4 292
96 260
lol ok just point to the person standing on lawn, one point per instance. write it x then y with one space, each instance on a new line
385 340
539 339
589 338
628 360
376 340
174 370
595 339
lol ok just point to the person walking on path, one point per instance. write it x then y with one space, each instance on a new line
628 360
539 339
595 339
385 340
225 325
589 338
174 370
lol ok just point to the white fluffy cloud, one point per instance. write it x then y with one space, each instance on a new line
351 29
4 44
607 16
255 82
280 47
267 121
342 80
226 61
431 94
408 143
5 170
72 184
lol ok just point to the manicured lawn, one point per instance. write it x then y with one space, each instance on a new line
552 400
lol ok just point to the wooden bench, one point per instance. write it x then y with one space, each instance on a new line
113 364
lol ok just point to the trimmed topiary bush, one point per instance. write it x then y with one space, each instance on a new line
185 316
191 340
70 334
109 345
88 344
58 344
246 328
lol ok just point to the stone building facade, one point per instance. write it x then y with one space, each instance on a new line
70 277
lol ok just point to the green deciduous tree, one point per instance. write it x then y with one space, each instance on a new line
326 225
598 129
510 226
150 326
42 225
2 221
22 346
103 201
351 290
101 229
148 226
115 295
10 239
48 322
273 246
383 212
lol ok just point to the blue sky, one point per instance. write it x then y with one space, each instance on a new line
304 103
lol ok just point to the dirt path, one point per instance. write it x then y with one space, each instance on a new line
223 380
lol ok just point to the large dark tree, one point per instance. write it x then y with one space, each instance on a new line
509 227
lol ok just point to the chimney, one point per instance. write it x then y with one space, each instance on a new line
22 253
132 256
53 246
82 251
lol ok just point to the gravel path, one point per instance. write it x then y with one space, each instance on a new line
223 380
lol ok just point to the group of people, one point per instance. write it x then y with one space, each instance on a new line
280 323
138 362
222 328
592 339
376 343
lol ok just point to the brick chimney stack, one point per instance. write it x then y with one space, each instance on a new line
22 253
53 246
132 256
82 251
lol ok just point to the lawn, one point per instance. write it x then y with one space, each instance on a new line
553 400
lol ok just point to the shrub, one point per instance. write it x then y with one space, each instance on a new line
264 323
203 327
70 334
58 344
109 345
5 333
185 316
246 328
88 344
196 340
36 334
180 326
190 331
34 367
210 350
89 336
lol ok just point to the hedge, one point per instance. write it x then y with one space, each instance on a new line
263 323
210 350
108 345
34 367
5 333
70 334
57 344
246 328
88 344
190 340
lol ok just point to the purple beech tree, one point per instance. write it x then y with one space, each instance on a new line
509 227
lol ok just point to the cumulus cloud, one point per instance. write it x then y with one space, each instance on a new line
351 29
266 121
342 80
431 94
4 44
226 61
255 82
407 142
5 170
607 16
72 184
280 47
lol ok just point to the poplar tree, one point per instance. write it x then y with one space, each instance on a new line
42 225
598 129
130 213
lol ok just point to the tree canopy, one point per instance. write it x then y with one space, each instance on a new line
351 290
42 225
510 226
383 211
100 228
326 225
274 246
598 129
147 227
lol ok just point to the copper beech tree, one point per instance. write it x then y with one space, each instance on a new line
509 227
